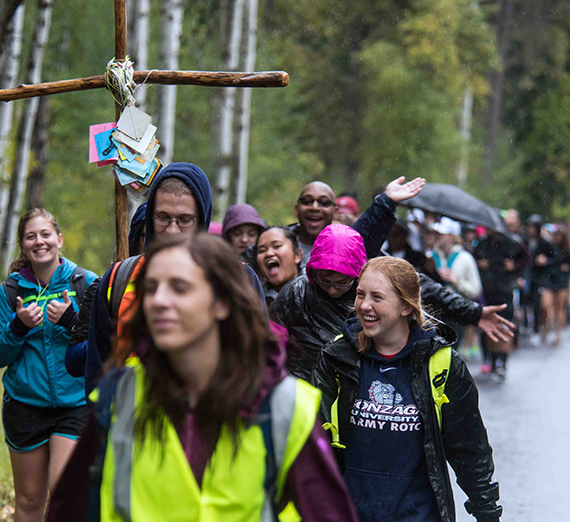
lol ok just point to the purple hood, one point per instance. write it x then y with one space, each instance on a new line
339 248
240 215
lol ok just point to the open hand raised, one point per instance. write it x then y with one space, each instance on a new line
399 191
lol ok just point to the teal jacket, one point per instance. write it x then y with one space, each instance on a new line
35 372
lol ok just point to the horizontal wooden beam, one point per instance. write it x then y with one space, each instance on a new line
204 78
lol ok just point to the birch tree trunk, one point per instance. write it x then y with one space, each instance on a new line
228 107
34 194
9 65
465 127
23 143
137 49
139 42
8 10
245 124
172 15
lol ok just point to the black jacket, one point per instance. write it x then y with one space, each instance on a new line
446 304
312 318
462 440
496 280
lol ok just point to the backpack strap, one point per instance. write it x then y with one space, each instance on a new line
118 284
451 259
12 292
78 284
263 420
439 366
102 398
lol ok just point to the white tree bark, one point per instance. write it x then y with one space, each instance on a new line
243 138
23 144
172 15
228 107
465 126
137 49
139 41
9 69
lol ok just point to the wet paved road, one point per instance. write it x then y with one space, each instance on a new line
528 421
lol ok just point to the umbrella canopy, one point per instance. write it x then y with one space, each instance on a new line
455 203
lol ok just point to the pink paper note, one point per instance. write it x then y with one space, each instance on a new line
93 130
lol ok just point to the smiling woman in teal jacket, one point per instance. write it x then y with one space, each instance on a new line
43 407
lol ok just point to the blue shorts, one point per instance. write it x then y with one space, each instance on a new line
28 427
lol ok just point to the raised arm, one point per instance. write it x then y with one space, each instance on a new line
377 220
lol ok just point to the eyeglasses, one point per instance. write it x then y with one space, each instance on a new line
182 223
327 284
308 201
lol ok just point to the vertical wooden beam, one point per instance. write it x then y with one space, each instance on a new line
121 233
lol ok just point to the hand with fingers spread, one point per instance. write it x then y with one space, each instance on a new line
399 191
31 316
497 328
55 309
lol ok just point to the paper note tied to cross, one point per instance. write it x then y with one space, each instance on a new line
93 131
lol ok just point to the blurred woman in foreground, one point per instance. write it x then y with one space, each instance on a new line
206 425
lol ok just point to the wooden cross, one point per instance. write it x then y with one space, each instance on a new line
205 78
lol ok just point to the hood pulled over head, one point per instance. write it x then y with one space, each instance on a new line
137 226
197 182
238 215
339 248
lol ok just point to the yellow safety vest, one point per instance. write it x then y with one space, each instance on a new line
438 367
144 482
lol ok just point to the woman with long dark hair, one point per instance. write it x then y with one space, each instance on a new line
44 408
401 404
206 425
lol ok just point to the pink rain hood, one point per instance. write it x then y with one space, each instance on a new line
339 248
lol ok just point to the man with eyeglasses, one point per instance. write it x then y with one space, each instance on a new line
316 207
180 202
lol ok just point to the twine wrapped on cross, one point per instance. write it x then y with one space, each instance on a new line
120 80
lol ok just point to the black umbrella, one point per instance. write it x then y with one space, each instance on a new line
455 203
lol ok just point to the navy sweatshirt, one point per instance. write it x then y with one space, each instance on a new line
385 463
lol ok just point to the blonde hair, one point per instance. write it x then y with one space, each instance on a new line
22 261
406 283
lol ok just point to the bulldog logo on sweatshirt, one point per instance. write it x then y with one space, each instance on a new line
381 393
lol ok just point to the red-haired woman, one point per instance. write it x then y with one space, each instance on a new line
401 404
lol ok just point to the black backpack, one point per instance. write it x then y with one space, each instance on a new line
77 283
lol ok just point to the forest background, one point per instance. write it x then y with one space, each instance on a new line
456 91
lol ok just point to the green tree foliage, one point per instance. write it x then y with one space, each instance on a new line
535 117
376 91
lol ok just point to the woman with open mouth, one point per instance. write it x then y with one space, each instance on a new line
278 257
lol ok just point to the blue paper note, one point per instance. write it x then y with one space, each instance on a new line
125 151
105 147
